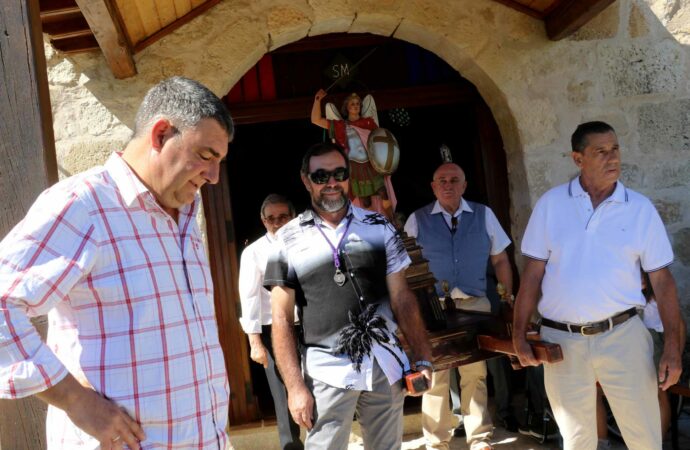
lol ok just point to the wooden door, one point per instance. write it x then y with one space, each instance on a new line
224 271
27 152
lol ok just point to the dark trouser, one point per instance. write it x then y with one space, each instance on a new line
500 371
535 388
288 430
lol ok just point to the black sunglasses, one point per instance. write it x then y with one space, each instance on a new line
321 176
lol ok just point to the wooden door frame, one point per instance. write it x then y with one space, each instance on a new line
29 150
224 265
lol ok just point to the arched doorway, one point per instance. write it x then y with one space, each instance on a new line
272 104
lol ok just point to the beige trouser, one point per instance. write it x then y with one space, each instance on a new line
621 361
437 419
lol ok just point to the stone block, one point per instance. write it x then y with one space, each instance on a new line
537 120
679 23
287 25
665 128
376 23
537 172
632 175
580 92
631 70
331 17
669 174
83 155
681 245
637 22
671 212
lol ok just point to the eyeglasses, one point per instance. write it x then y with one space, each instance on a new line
321 176
280 219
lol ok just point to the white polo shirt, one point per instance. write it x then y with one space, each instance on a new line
593 256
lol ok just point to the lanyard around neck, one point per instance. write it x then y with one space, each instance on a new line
335 249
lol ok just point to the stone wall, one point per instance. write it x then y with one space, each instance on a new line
629 66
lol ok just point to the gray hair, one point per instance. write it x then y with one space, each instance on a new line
277 199
185 103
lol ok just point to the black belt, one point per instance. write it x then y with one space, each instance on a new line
592 328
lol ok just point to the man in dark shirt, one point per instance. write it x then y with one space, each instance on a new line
344 267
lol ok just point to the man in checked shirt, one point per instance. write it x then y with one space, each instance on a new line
115 258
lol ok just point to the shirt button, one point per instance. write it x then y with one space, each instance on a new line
361 298
352 274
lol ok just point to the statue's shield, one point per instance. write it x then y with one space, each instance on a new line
383 150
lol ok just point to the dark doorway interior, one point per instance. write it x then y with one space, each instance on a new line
266 158
274 130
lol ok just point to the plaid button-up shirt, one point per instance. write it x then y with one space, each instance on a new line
129 297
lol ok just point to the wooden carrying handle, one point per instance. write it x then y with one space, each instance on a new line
545 352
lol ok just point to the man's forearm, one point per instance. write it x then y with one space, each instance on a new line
504 273
669 309
411 324
285 351
527 297
255 340
63 394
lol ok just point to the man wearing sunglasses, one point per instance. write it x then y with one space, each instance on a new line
276 211
344 268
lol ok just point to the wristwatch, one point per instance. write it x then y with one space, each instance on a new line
423 363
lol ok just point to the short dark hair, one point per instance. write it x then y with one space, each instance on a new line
185 103
321 149
277 199
578 140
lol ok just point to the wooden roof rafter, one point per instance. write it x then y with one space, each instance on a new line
570 15
103 19
561 17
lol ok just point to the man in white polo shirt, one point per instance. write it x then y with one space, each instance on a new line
584 245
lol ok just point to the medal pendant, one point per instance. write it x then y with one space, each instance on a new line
339 277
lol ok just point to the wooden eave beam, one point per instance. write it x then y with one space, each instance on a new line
103 21
570 15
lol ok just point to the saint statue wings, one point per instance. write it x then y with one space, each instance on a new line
368 109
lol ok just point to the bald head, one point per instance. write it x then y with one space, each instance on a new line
448 185
448 168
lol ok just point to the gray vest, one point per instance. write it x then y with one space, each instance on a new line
460 258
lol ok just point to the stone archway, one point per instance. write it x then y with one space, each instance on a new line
476 38
218 204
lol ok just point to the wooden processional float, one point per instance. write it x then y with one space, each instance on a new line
460 337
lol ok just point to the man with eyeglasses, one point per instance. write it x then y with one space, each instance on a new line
344 268
276 211
459 238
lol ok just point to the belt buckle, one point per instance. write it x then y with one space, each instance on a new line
585 327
